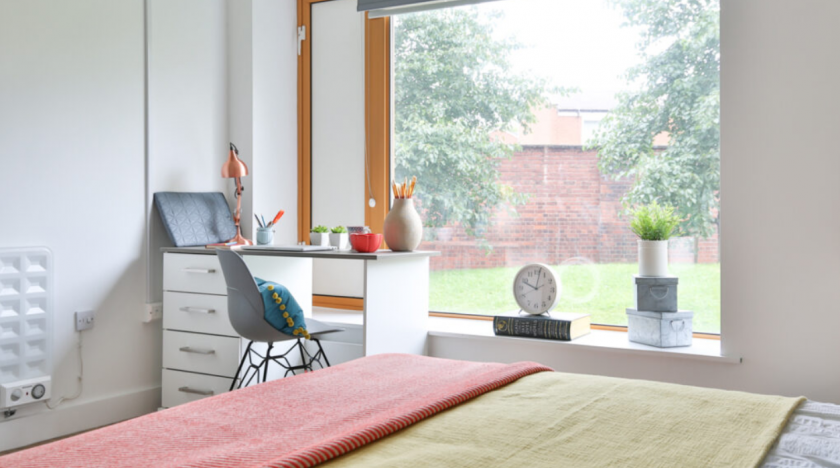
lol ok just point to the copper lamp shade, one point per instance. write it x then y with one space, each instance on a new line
234 168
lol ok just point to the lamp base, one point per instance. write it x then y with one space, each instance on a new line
239 239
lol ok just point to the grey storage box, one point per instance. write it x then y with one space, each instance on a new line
655 294
660 329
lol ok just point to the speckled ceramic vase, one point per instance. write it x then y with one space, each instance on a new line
403 227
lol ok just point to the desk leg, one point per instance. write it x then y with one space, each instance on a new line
396 305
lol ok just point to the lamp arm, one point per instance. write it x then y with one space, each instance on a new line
239 190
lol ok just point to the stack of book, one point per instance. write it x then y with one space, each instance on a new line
563 326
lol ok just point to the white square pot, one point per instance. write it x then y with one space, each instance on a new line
340 240
317 238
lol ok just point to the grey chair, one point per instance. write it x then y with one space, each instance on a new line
247 316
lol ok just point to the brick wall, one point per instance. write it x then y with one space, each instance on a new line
573 211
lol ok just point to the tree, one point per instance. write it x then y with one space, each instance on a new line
678 93
455 87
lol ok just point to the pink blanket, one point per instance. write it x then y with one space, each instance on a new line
295 422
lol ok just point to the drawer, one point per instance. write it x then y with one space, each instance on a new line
195 273
183 387
198 313
208 354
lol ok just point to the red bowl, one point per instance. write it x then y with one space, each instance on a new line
366 243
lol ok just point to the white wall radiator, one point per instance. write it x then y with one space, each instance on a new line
26 323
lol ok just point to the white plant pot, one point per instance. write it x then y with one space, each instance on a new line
317 238
653 258
340 240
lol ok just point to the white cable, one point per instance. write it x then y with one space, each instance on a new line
81 384
372 200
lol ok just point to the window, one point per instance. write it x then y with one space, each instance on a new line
530 144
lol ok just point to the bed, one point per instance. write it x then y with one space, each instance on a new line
399 410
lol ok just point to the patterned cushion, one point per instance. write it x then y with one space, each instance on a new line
194 219
281 309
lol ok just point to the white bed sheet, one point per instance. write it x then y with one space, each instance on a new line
811 439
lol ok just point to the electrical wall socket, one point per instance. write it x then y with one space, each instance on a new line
152 312
85 320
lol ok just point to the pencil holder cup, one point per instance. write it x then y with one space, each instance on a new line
265 236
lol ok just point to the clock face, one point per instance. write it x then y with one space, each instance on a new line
537 288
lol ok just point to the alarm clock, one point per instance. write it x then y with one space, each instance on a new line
536 288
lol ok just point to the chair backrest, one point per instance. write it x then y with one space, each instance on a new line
245 304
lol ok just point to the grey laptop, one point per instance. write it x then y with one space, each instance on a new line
291 248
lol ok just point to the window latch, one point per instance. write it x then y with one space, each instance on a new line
301 36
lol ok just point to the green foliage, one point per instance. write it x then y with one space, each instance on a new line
653 222
320 229
678 93
455 87
338 230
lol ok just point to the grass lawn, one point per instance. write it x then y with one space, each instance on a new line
604 291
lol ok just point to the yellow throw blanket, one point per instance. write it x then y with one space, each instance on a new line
581 421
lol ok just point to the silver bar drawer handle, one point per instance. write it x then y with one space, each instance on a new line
197 310
187 349
197 392
205 271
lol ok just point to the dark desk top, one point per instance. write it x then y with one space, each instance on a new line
332 254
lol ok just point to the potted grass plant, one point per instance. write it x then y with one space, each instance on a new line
654 224
319 235
339 238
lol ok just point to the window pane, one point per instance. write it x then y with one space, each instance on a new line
533 126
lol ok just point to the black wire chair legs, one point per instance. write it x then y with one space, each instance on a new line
255 365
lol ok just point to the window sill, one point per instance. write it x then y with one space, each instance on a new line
598 340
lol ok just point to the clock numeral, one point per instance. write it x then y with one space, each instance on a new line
552 289
544 304
550 281
549 298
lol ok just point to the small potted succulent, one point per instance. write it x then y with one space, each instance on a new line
654 225
319 235
339 238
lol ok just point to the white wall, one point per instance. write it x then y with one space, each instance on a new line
240 98
262 98
275 114
72 179
188 108
781 222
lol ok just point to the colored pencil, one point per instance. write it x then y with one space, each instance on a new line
277 218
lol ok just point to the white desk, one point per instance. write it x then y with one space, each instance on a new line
394 320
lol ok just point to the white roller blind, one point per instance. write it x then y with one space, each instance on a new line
380 8
338 132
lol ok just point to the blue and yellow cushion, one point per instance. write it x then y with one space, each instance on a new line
281 309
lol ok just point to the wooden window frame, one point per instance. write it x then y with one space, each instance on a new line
378 133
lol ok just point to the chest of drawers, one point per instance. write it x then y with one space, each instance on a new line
200 348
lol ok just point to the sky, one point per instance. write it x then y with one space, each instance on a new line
576 43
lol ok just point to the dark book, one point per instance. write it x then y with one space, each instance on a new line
563 326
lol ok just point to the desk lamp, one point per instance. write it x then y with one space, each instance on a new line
234 168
